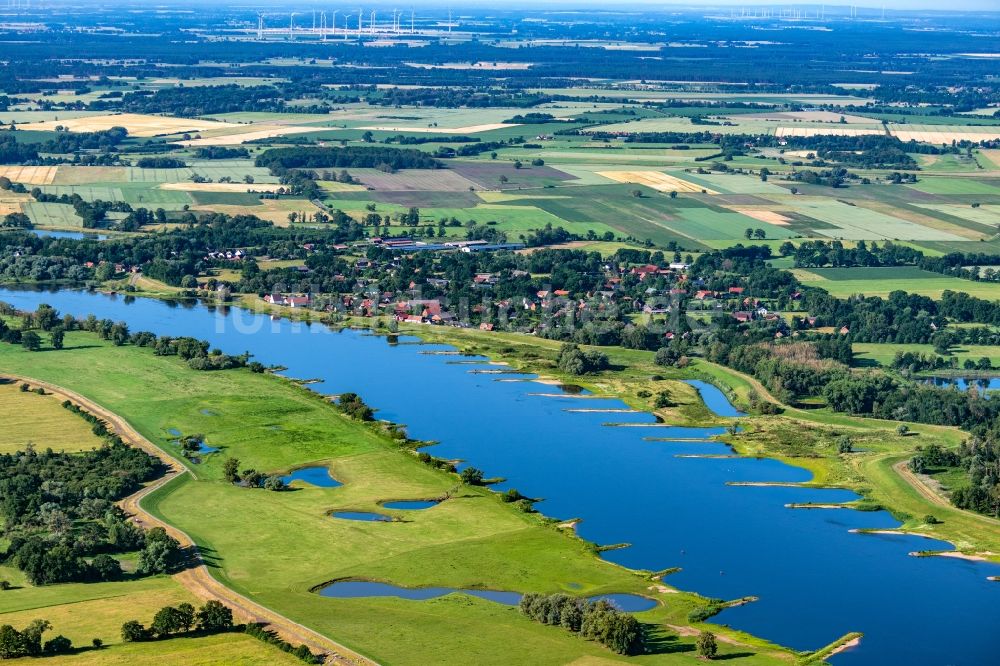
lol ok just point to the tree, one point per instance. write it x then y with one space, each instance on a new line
472 476
748 233
673 194
275 483
214 616
168 620
706 647
759 234
845 445
57 336
106 568
185 616
30 341
162 553
231 470
133 632
902 429
11 644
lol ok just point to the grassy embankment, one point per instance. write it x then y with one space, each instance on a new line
275 547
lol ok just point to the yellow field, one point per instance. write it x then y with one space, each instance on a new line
938 134
655 179
11 202
825 131
218 650
273 210
769 216
81 611
809 116
262 132
220 187
468 129
29 175
136 124
87 175
41 420
334 186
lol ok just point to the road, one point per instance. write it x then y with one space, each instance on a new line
196 577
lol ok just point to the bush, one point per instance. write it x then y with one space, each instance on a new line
134 632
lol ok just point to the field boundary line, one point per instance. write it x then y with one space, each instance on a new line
197 578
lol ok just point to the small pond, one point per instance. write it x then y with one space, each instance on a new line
362 515
411 505
73 235
314 476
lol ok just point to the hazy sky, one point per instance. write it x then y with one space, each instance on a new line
943 5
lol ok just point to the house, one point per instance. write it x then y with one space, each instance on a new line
485 327
743 316
288 301
736 290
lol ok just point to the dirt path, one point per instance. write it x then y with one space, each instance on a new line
903 469
197 578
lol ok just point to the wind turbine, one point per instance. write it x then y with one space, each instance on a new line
335 12
371 23
260 27
291 26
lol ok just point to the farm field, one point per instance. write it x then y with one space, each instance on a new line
42 421
61 216
844 282
882 354
136 124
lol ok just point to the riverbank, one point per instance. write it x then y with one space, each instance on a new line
801 437
272 425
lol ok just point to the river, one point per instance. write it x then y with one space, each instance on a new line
635 482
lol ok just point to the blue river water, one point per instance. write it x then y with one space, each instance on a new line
353 589
634 483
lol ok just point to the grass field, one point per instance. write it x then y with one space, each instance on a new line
882 354
83 611
41 420
469 540
53 215
843 282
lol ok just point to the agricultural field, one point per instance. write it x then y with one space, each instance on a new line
870 353
136 124
844 282
42 422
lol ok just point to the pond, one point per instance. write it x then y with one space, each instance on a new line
354 589
633 484
362 515
74 235
314 476
411 505
964 383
